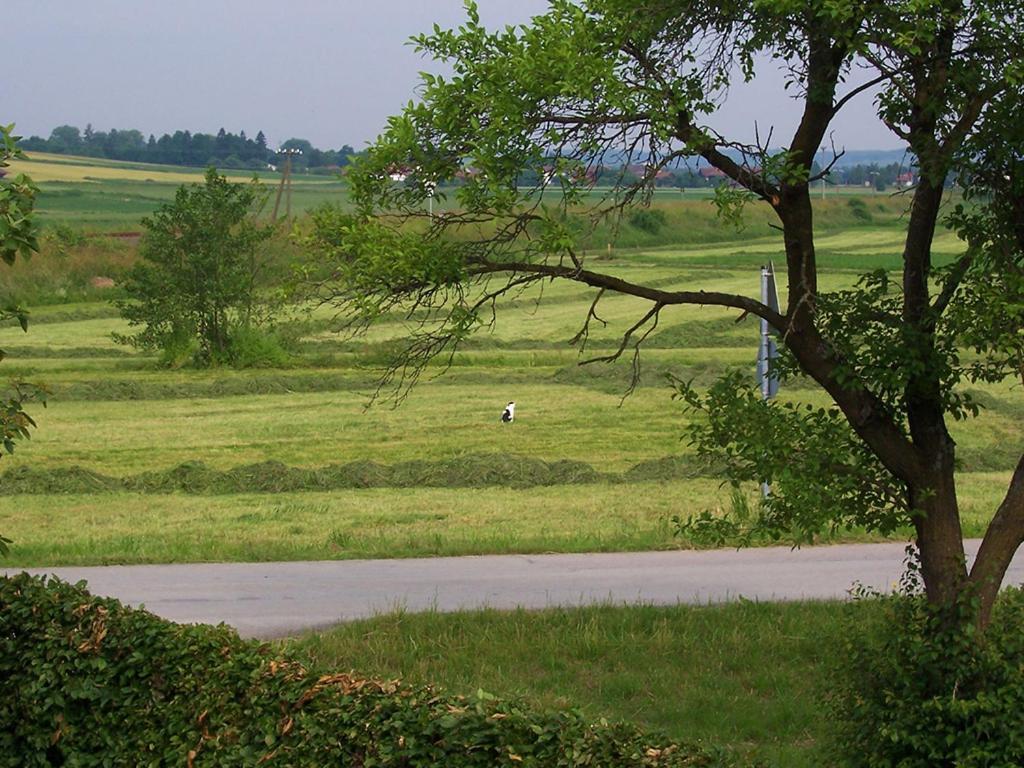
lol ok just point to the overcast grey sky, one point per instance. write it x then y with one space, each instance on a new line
330 71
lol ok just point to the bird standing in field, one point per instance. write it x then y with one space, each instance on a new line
509 413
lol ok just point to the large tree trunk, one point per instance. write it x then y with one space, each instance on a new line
939 535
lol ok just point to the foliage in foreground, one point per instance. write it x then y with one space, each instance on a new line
917 690
75 669
17 237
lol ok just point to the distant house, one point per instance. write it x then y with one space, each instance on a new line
709 172
905 180
717 175
587 175
643 171
400 173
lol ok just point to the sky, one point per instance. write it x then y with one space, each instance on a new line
330 71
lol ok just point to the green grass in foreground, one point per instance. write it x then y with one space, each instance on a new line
749 676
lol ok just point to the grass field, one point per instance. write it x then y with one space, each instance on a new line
132 463
107 195
750 677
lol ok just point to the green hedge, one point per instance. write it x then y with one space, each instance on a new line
86 681
916 687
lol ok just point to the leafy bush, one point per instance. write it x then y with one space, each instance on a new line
649 220
918 688
248 346
86 681
256 347
859 209
201 261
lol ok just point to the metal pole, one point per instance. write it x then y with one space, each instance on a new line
763 355
431 187
288 183
763 351
277 200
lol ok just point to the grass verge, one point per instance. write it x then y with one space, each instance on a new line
746 675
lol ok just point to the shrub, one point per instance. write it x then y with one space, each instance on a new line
86 681
649 220
255 347
859 209
201 259
917 688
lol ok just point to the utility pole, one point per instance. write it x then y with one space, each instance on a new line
767 350
286 183
431 187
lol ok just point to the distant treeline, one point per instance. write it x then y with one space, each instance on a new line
223 150
874 175
229 150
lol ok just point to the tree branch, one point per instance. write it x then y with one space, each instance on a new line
1003 538
665 298
652 314
584 333
950 287
859 90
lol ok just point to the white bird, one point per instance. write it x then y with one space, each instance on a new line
509 413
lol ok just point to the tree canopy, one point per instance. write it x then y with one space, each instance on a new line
639 80
195 285
223 149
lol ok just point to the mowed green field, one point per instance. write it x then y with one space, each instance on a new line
107 195
134 463
98 195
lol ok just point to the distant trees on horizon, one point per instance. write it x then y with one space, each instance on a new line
223 149
237 151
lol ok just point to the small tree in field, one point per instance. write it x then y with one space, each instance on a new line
17 237
632 82
196 284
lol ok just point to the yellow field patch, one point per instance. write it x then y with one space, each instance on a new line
45 167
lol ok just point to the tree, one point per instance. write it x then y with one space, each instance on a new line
305 149
196 282
636 80
65 139
18 236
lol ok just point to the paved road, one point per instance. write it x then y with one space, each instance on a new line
275 599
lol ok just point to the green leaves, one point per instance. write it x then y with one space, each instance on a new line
199 273
915 687
18 231
822 476
74 669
